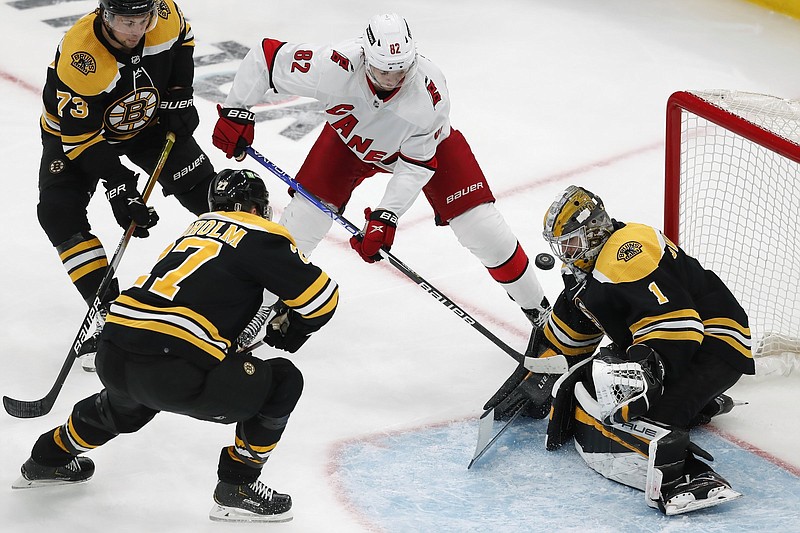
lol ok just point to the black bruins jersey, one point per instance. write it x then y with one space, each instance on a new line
95 94
646 289
209 283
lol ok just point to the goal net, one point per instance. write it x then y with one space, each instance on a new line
732 200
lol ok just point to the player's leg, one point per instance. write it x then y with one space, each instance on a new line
187 171
239 494
55 457
64 194
461 197
648 455
330 172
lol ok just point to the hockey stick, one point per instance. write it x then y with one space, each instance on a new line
485 429
37 408
550 365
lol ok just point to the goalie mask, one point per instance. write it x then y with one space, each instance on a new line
577 226
239 190
389 51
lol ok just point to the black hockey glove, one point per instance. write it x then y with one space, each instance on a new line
520 387
287 330
178 113
128 206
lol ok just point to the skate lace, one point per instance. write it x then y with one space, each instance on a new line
262 490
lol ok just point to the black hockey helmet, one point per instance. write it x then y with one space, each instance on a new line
239 190
128 7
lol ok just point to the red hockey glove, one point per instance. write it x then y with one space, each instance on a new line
234 131
378 233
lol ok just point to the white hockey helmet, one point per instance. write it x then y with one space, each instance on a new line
388 44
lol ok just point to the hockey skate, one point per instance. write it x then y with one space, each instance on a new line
35 475
538 316
254 502
704 490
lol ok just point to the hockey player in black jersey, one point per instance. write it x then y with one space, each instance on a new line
169 345
121 78
680 339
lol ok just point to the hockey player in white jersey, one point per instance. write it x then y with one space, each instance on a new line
387 110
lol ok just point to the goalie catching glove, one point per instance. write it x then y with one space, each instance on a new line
287 330
626 389
378 233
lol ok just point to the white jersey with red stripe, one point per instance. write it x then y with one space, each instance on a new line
399 133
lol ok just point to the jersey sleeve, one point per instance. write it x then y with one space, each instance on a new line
416 160
182 74
301 285
570 331
287 68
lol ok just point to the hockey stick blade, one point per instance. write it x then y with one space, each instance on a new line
485 429
556 364
32 409
37 408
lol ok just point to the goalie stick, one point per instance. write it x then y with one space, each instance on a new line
485 429
37 408
550 365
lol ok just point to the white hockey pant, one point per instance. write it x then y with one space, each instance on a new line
307 223
484 232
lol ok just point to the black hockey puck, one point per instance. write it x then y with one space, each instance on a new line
544 261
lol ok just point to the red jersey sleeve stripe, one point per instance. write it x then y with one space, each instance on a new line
270 48
431 164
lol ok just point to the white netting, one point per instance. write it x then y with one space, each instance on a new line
739 211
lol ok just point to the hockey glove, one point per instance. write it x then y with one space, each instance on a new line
522 386
128 206
627 389
178 113
234 131
286 330
378 233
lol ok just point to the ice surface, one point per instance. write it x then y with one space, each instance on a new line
548 94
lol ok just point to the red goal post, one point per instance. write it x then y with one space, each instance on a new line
732 200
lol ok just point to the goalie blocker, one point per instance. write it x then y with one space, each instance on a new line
644 454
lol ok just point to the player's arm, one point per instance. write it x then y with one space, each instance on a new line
414 165
84 143
308 296
177 111
274 66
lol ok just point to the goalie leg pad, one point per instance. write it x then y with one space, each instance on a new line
560 428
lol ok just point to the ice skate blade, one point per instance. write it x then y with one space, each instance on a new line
723 496
23 483
220 513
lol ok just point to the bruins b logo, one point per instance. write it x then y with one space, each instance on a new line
133 112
